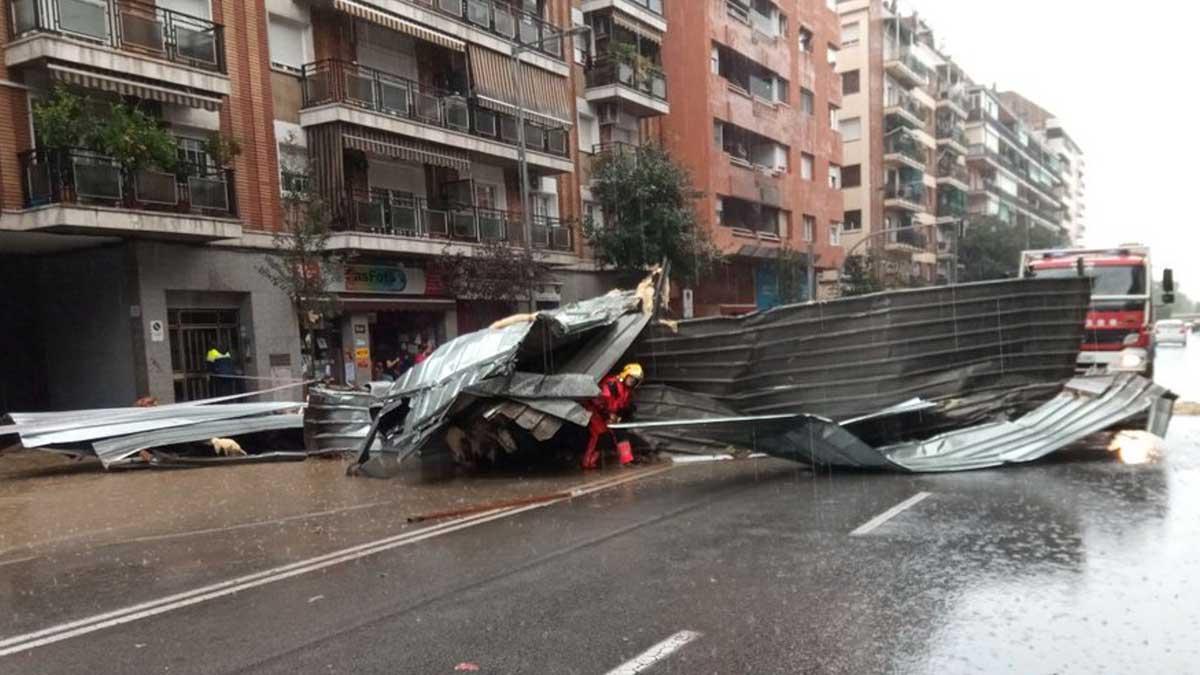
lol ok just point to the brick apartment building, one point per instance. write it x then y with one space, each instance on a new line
403 115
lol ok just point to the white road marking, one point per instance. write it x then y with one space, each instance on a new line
659 652
65 631
882 518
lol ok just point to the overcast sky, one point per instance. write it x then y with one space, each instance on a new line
1122 78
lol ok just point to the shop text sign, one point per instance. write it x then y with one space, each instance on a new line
385 279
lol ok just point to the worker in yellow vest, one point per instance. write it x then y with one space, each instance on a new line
220 371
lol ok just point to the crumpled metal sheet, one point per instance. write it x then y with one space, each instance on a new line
337 419
113 450
975 349
433 390
538 386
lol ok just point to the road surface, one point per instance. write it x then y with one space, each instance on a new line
1078 564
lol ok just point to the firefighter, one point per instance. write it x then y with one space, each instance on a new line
615 400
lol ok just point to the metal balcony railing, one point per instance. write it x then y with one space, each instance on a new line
952 132
605 72
904 57
909 192
951 204
947 169
901 99
78 176
333 81
903 144
126 25
411 216
501 18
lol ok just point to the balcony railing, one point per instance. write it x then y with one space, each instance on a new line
909 61
500 18
411 216
904 100
951 204
333 81
903 144
909 192
952 132
77 176
956 95
127 25
910 237
615 149
605 72
953 170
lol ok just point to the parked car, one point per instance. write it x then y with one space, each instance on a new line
1170 331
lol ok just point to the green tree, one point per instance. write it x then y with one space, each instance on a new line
136 139
492 271
858 276
301 264
791 273
61 121
991 248
647 202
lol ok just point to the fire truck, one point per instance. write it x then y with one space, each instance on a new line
1119 332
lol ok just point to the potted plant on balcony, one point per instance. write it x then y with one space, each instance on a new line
625 54
138 142
61 125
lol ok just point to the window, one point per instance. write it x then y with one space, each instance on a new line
834 115
593 214
852 176
852 221
835 234
850 83
589 131
835 176
806 102
806 166
851 129
579 41
288 42
806 39
193 152
715 59
809 232
831 55
850 33
293 169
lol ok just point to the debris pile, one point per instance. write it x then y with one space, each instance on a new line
196 433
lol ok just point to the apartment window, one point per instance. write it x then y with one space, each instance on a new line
293 169
850 83
852 220
834 115
850 33
851 129
715 60
835 176
835 234
806 40
809 231
589 131
806 166
852 176
806 102
289 43
831 55
593 214
579 41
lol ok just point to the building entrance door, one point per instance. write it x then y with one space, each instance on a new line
192 333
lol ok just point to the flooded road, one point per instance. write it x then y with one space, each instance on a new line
1077 564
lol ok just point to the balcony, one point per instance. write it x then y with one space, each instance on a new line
649 12
907 70
908 239
952 205
81 32
417 217
906 196
953 174
904 107
901 148
953 136
471 126
956 100
502 20
643 93
1010 161
83 179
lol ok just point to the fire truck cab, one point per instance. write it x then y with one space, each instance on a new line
1119 334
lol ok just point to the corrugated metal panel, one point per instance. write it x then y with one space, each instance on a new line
113 450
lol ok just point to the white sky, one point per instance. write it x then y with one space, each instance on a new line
1122 78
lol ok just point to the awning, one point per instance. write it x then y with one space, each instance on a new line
398 24
637 28
391 146
92 79
544 95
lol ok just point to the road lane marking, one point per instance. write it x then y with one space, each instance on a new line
659 652
882 518
65 631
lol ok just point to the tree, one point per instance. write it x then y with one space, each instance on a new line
858 277
493 270
991 248
791 274
646 199
301 264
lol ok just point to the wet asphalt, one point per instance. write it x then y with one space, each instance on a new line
1076 564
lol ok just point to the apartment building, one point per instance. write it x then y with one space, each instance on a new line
1015 176
403 115
1071 161
754 107
904 150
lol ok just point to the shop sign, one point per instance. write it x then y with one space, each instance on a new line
385 279
362 357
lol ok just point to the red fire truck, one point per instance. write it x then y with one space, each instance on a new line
1120 321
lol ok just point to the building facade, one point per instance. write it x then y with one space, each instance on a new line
404 116
754 103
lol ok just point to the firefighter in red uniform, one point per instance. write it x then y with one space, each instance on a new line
616 397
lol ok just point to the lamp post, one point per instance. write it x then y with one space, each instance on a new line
518 48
